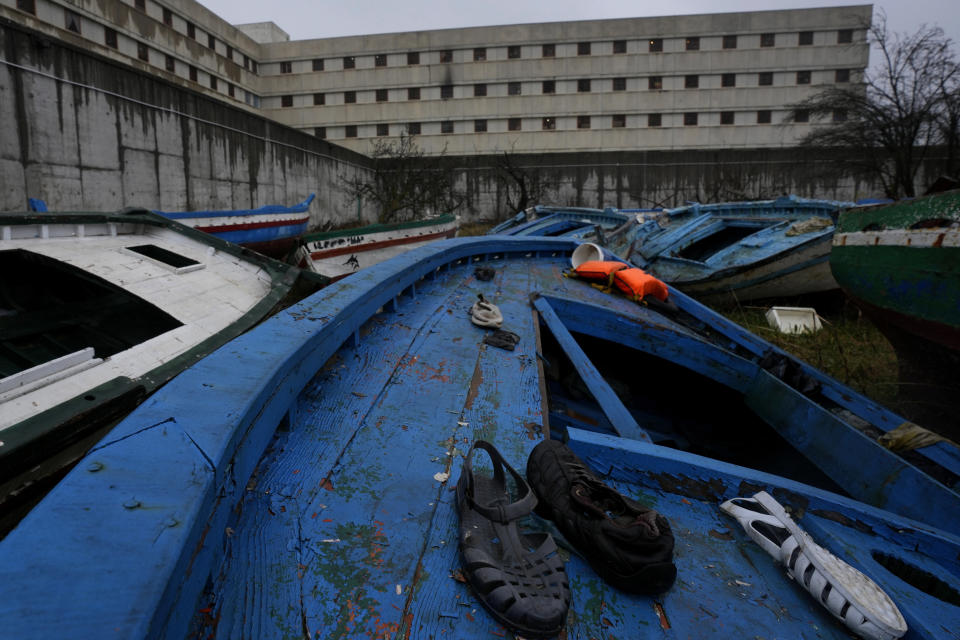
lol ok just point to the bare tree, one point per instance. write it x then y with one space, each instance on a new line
891 117
522 186
406 183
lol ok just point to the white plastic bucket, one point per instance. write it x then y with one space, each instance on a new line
585 253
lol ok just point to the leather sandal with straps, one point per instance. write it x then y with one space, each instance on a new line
629 545
518 577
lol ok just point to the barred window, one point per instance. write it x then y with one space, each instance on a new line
765 78
480 54
689 119
729 42
349 97
71 20
382 95
583 122
380 60
350 131
286 101
479 90
654 120
619 84
479 126
413 57
583 48
286 67
318 64
619 121
619 46
768 39
549 86
726 117
413 93
513 51
513 124
549 50
446 126
383 129
350 62
513 88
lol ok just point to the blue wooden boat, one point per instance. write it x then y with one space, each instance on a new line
717 253
273 230
566 222
737 250
297 481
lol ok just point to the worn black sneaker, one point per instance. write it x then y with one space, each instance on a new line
627 544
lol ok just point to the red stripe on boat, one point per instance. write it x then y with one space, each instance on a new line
250 225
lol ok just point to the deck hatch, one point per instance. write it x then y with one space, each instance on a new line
180 263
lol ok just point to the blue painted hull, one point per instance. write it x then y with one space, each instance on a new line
294 481
273 230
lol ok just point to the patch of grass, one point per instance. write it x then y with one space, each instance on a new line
849 348
474 229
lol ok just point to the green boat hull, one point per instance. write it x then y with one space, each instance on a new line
901 265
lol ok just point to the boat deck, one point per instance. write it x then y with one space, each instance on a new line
348 527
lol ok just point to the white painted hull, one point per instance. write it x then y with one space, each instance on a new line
205 299
339 257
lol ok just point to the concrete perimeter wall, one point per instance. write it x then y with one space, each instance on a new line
112 137
642 179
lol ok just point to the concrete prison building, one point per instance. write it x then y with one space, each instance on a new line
714 81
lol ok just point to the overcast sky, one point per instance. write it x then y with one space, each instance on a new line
306 19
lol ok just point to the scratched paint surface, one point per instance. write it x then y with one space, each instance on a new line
346 530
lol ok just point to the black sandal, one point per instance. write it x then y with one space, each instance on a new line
629 545
518 577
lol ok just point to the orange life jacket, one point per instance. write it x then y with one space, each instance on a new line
602 270
636 284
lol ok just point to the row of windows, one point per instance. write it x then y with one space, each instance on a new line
73 22
584 85
653 45
111 38
617 121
